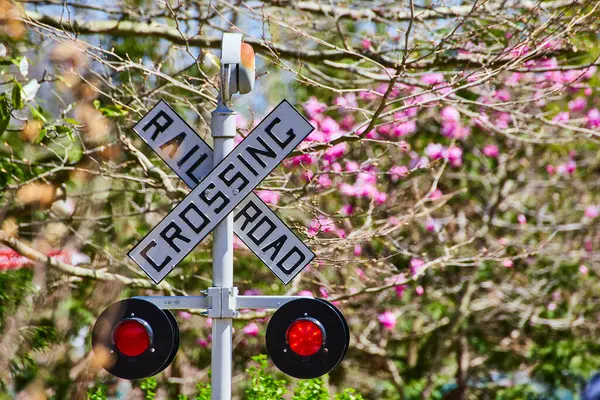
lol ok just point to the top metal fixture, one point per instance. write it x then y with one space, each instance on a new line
237 66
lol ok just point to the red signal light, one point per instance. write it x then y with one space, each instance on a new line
305 337
132 337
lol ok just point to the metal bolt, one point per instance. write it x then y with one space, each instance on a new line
306 314
236 191
285 350
153 349
132 314
325 349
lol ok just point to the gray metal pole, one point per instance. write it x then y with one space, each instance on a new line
223 132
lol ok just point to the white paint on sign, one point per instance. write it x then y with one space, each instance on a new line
227 185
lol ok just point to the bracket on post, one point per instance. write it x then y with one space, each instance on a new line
220 302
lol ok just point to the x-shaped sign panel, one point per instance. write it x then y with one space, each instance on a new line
218 191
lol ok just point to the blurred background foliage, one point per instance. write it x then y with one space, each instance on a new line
450 191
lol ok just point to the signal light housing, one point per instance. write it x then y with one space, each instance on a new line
307 338
134 339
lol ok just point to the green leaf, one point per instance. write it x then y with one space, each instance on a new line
37 113
4 113
17 98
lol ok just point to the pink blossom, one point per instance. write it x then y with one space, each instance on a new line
561 117
314 108
329 127
241 122
551 306
519 50
590 72
360 273
323 181
209 322
252 292
368 177
346 210
366 44
588 91
419 290
508 263
357 250
491 150
432 226
202 342
347 189
583 270
588 245
570 167
397 172
416 264
436 194
513 79
387 319
593 118
323 292
521 219
321 224
550 169
336 167
400 289
251 329
305 293
454 155
347 122
269 196
432 78
502 120
578 104
184 315
502 95
450 113
335 152
345 101
352 166
367 95
308 175
380 198
405 128
592 212
434 151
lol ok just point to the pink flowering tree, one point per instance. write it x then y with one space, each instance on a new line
449 190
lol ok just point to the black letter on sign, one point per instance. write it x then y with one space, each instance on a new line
219 195
170 239
144 254
175 142
277 245
254 152
236 176
192 168
284 259
160 128
184 216
290 133
265 235
247 217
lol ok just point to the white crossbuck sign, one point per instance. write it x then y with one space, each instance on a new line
218 191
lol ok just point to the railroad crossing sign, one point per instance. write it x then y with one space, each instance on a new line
139 337
217 191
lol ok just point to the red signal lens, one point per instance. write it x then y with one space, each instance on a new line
131 337
305 337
